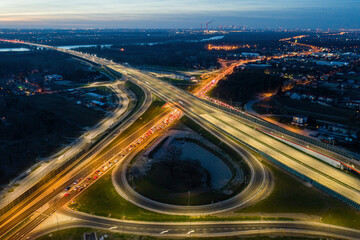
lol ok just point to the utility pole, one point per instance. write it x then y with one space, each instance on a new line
189 216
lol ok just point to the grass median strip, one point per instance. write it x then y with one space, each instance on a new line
290 196
288 156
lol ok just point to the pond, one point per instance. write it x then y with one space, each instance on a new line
219 172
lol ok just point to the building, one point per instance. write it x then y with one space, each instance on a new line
353 104
299 120
98 104
259 66
95 96
247 54
53 77
338 132
295 96
332 64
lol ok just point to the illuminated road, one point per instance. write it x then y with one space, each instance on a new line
334 179
82 142
47 194
201 229
239 129
258 186
51 200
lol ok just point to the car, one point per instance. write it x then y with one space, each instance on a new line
88 179
97 171
66 194
96 177
68 188
76 181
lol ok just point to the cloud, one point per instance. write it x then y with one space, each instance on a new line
174 13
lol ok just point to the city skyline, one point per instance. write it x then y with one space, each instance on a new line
184 14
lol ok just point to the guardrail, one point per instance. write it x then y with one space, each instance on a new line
56 171
312 182
284 131
294 172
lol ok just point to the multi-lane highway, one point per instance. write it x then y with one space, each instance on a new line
53 162
239 129
243 130
258 186
82 166
50 201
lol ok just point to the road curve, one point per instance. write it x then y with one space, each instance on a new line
50 191
335 180
203 229
259 184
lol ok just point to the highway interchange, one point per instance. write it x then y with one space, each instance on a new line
82 142
232 128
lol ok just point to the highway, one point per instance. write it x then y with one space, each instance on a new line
235 127
84 165
68 152
258 186
51 200
336 180
200 229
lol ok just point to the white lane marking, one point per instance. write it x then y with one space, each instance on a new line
165 231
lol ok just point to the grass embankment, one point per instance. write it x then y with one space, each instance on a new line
138 92
109 73
291 195
77 233
153 111
153 185
102 199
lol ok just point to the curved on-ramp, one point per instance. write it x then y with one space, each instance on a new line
259 185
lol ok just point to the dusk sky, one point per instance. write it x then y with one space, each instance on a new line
179 14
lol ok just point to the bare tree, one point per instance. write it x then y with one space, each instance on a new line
171 155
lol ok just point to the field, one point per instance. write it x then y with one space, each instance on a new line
340 115
291 195
153 111
38 126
